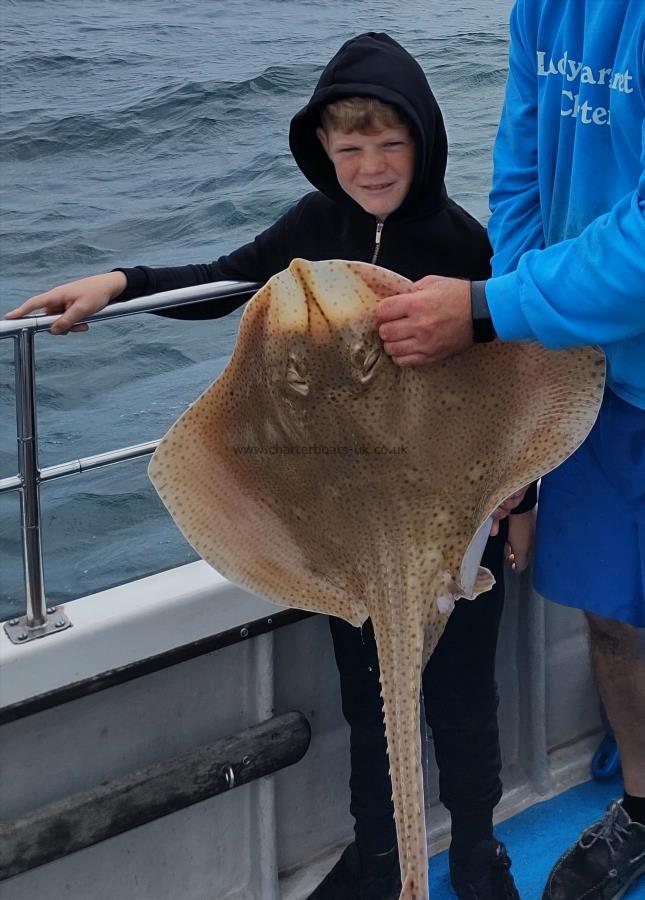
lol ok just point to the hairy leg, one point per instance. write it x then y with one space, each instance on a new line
618 656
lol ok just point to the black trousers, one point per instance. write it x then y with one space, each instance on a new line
460 700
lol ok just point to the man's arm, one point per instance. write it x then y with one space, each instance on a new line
516 223
587 290
445 317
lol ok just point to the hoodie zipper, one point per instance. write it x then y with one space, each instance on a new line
377 242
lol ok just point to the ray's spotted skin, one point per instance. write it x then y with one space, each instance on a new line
318 474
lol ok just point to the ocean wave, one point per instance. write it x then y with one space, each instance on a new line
52 65
192 98
71 134
61 254
193 107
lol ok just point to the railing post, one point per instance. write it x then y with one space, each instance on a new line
39 621
28 468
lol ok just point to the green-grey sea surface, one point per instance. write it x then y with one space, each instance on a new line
156 132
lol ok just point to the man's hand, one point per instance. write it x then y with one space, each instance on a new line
76 300
431 323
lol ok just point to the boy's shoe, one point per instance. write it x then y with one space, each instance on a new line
349 881
487 875
608 858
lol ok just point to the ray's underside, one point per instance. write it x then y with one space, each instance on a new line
316 473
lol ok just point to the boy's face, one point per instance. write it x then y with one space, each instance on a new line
376 169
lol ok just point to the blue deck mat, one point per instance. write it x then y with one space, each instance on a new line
536 837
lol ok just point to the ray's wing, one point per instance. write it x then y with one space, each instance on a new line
229 493
514 412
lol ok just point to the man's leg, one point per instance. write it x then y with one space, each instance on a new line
618 656
590 554
610 856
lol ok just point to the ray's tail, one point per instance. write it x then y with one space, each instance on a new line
400 649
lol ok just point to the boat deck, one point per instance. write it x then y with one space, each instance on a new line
537 836
535 839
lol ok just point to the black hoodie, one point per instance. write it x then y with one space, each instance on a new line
427 234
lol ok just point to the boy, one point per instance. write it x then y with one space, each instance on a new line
372 142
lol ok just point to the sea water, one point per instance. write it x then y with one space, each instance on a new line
156 132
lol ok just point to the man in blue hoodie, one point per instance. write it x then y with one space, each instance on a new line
568 233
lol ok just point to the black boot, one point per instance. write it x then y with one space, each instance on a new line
485 875
352 880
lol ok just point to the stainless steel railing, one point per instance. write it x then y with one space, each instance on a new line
40 620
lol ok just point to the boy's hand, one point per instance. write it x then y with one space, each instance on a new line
521 531
429 324
504 510
76 300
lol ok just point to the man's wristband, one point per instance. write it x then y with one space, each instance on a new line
483 328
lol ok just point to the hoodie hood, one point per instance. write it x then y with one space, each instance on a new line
374 65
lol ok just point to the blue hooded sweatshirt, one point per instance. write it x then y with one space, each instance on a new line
568 197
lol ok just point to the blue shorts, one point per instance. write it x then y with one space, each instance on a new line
590 542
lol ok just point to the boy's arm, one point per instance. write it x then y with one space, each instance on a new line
519 543
268 253
516 223
521 530
76 301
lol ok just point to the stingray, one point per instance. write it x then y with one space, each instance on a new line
318 474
